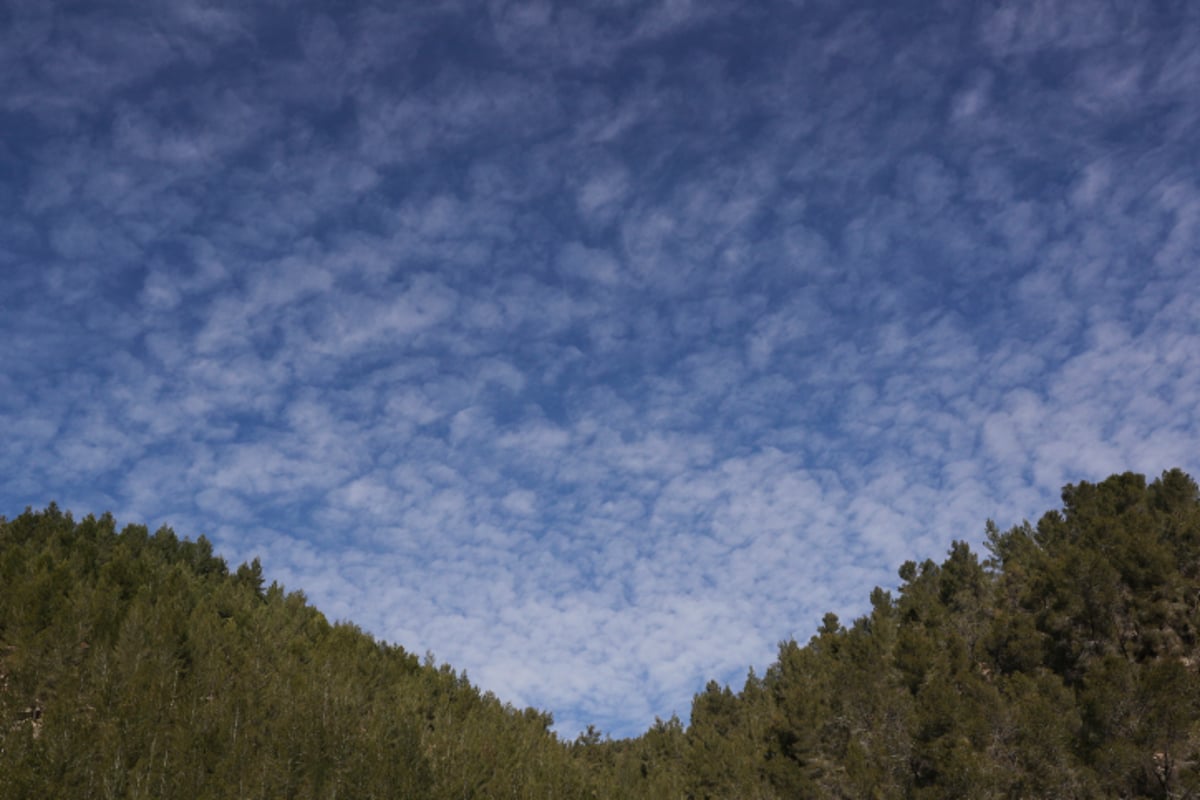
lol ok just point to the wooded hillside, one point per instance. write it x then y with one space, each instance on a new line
1062 664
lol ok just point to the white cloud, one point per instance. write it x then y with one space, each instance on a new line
635 341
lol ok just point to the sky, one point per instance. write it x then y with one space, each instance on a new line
594 347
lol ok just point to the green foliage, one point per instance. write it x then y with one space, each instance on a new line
1063 665
136 665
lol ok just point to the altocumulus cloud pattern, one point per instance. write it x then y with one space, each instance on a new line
594 346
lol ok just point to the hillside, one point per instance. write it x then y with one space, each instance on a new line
1063 664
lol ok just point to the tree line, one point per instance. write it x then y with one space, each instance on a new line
1061 663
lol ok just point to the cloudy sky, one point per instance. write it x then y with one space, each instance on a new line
595 347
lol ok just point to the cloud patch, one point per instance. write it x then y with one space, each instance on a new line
594 349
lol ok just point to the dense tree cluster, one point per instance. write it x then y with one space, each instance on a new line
1063 664
136 665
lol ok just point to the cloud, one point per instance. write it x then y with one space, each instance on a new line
594 349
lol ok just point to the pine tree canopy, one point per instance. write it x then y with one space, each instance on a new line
1063 663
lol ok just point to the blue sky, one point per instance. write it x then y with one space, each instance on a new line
595 347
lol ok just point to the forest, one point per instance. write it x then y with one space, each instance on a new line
1062 663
